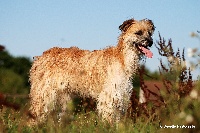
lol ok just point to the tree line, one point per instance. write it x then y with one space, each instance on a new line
13 73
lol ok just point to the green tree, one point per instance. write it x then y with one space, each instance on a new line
14 75
19 65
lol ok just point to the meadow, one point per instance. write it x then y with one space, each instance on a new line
174 107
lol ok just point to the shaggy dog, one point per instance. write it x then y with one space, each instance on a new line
104 75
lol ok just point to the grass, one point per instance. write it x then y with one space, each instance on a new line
178 105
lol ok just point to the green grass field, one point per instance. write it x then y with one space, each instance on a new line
181 111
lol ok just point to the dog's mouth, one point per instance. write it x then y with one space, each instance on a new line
143 47
146 51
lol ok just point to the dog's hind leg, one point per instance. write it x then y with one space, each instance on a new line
42 102
63 100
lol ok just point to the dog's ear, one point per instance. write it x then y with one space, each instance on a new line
126 24
150 22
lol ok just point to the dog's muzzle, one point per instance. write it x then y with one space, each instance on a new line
144 48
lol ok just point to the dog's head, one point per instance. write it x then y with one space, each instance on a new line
138 34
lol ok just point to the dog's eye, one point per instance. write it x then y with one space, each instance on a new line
149 33
139 33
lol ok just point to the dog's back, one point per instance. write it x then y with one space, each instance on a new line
73 69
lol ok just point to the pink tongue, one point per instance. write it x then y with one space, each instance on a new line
147 52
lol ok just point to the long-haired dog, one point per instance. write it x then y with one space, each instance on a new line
104 75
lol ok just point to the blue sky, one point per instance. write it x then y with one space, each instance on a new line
27 28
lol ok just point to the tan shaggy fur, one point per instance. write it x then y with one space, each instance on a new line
104 75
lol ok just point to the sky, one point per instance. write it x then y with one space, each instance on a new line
29 27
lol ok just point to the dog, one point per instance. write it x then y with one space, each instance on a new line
104 75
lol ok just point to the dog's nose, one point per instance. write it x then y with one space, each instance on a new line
150 43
